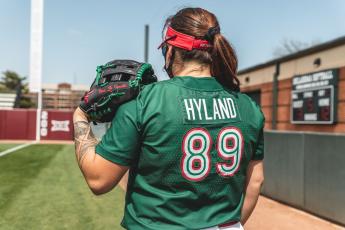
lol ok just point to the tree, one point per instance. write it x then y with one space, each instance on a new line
11 82
289 46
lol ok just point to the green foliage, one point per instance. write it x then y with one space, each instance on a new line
11 79
9 83
26 103
4 89
42 188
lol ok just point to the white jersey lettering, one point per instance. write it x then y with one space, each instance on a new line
216 110
231 107
189 109
205 110
200 109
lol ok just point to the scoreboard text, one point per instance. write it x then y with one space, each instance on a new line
313 98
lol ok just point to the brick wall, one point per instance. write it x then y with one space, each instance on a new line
284 100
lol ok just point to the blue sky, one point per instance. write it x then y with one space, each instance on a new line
81 34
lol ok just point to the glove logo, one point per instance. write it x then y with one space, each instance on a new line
121 86
86 97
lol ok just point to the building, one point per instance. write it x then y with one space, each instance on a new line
60 96
303 91
7 100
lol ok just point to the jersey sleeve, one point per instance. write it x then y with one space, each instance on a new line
121 142
259 147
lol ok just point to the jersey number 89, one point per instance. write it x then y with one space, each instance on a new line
196 147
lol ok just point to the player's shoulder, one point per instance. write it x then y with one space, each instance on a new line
127 108
250 106
153 89
147 93
155 86
244 98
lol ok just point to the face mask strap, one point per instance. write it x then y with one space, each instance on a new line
168 68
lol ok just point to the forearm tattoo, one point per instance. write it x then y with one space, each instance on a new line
84 139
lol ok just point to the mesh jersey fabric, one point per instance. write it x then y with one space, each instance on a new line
147 134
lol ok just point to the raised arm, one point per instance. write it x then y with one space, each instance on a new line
255 178
100 174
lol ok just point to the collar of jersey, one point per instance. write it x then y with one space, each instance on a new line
197 83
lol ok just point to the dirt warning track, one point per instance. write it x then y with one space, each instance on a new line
272 215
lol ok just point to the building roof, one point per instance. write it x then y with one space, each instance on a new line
313 49
52 86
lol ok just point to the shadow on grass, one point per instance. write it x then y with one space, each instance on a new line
18 169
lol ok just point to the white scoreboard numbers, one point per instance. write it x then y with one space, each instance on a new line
314 97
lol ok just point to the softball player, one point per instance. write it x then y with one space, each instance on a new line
193 144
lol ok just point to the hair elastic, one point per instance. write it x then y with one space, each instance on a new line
209 36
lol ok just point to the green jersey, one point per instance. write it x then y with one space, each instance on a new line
188 142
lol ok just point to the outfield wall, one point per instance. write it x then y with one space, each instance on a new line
20 124
307 170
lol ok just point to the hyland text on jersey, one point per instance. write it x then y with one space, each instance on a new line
209 109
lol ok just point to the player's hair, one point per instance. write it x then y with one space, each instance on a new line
202 24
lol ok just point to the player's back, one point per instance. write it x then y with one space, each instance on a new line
197 139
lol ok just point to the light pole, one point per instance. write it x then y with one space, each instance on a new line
36 47
146 52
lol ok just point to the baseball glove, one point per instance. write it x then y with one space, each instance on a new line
116 82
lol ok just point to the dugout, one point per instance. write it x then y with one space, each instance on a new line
303 98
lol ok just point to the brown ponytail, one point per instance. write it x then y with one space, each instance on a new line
224 63
221 57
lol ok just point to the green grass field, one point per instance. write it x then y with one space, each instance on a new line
4 147
41 187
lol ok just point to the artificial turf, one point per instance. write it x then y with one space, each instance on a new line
4 147
41 187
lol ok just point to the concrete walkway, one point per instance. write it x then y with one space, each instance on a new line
272 215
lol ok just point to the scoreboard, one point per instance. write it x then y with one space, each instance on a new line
314 97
